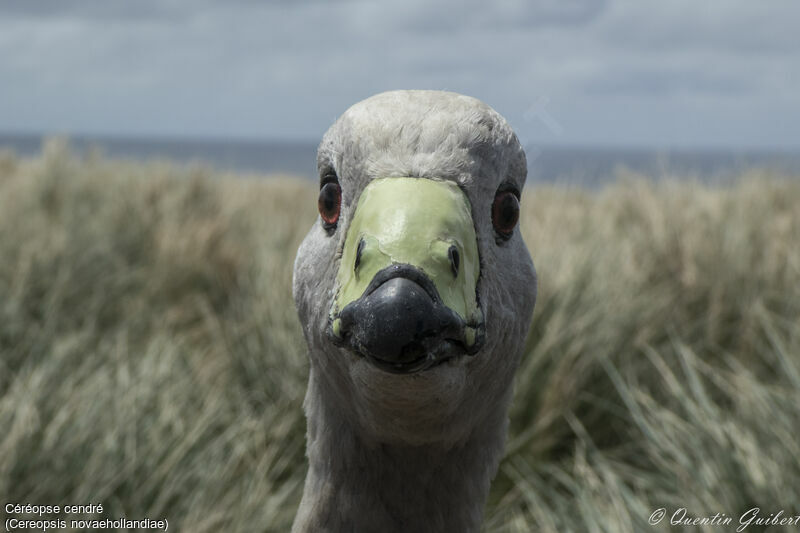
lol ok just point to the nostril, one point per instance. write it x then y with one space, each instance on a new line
455 259
359 251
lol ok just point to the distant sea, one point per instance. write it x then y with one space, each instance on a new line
549 164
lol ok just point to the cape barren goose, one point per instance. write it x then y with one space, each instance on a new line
415 291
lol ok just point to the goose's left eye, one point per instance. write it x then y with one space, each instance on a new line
330 203
505 213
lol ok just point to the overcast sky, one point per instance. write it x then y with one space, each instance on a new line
589 72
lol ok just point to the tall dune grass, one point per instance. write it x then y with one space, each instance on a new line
151 358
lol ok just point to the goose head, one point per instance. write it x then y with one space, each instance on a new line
414 287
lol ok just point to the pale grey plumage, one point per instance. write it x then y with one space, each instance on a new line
412 452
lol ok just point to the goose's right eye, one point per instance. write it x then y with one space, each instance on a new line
330 203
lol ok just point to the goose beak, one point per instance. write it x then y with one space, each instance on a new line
408 276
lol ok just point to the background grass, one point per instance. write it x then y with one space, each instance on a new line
151 358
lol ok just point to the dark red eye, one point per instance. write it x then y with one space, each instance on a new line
330 203
505 213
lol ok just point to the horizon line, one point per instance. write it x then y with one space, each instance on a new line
242 139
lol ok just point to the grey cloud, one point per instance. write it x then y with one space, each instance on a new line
501 14
136 9
657 82
89 9
247 67
743 27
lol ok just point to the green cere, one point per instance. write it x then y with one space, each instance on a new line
413 221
